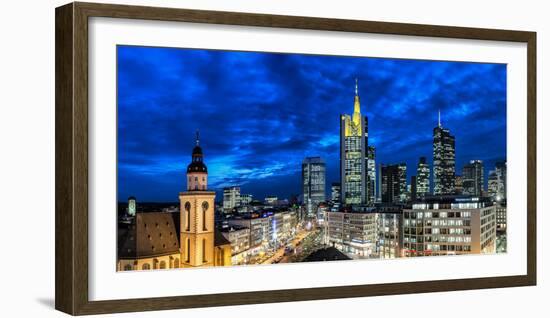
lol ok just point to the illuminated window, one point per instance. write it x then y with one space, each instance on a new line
204 210
204 250
188 251
188 216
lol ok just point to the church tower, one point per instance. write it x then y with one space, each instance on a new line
197 214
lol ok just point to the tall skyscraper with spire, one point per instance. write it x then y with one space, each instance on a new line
443 159
354 154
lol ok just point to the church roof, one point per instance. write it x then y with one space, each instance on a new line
150 235
197 166
219 239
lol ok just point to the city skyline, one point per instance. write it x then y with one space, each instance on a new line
276 109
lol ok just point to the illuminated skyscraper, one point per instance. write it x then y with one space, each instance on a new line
313 183
335 192
473 180
422 178
354 155
458 185
444 160
394 183
497 182
132 206
371 168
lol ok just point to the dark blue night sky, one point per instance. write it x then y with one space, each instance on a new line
260 114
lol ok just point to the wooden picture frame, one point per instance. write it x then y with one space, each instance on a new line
71 154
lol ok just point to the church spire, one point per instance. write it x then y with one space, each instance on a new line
197 137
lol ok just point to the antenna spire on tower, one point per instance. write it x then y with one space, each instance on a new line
356 90
439 117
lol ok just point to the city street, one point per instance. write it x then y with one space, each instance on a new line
279 255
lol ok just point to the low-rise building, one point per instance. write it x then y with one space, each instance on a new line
351 232
239 237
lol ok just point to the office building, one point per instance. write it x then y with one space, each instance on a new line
394 183
245 199
458 185
422 178
473 178
313 183
271 200
497 182
390 234
351 232
443 160
501 216
371 175
132 206
354 155
412 189
231 198
239 237
448 226
335 191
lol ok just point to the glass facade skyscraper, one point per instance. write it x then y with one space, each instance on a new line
422 178
394 183
371 174
497 182
354 155
443 160
313 183
473 179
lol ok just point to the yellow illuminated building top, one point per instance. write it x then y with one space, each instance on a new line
353 124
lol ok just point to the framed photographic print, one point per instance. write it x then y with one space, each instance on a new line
238 158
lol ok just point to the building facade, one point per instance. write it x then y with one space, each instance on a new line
443 160
335 192
132 206
371 175
231 197
449 226
496 187
473 178
354 155
313 183
239 237
390 232
246 199
351 232
458 185
394 183
422 178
